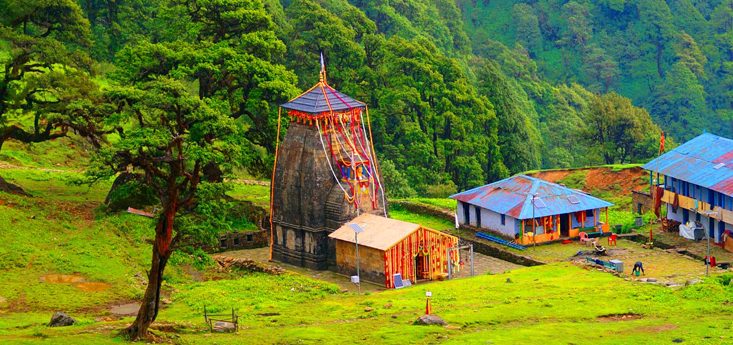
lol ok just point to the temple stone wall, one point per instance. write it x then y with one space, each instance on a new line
308 203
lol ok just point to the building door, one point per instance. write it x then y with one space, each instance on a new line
565 225
685 216
478 216
422 267
466 213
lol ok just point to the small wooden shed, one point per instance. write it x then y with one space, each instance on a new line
389 246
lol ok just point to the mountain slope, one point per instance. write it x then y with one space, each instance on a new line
672 57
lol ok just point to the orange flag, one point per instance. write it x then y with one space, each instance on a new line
661 143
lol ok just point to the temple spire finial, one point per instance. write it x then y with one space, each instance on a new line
322 74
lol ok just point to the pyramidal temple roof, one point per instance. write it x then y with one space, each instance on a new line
322 98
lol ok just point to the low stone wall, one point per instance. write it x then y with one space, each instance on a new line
227 264
425 209
502 254
243 240
639 238
643 201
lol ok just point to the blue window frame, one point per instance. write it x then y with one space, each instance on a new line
503 219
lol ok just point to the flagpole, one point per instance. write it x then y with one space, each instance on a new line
323 70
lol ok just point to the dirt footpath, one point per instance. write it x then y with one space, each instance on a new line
482 265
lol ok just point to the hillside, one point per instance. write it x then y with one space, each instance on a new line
447 111
671 57
621 180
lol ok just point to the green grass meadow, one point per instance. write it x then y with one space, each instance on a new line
63 231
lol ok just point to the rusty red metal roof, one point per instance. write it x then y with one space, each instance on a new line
513 197
706 160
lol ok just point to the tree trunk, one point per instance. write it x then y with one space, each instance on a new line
161 253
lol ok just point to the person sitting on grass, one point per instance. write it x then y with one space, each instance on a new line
638 268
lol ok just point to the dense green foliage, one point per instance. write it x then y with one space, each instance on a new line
671 57
448 112
43 77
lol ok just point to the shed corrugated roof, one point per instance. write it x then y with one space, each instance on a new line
706 160
317 100
379 232
513 197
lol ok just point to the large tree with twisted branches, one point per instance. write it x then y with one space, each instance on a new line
168 135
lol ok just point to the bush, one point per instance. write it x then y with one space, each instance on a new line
441 190
129 191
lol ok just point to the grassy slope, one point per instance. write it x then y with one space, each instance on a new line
539 304
59 230
429 221
552 304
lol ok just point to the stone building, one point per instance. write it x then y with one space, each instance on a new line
325 174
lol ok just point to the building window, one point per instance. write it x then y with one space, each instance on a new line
503 219
249 237
478 217
589 213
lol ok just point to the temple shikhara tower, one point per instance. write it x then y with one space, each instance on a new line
325 174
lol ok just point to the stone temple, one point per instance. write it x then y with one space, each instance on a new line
326 173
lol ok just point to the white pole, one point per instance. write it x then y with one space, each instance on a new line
449 264
707 236
534 223
471 253
707 260
356 243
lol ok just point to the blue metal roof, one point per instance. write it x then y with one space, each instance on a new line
513 197
319 97
706 160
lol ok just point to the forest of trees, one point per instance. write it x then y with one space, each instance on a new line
455 102
674 57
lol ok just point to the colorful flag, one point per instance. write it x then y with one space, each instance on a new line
661 144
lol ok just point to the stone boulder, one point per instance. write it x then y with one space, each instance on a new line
430 320
60 319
